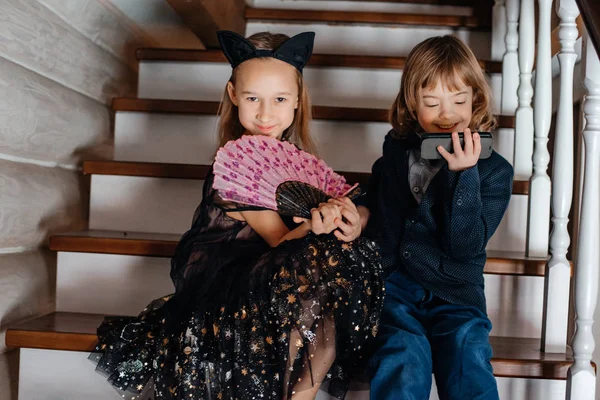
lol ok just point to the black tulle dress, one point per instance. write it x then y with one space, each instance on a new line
248 321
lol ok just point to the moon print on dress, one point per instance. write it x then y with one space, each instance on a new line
248 321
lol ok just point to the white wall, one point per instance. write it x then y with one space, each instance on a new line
61 62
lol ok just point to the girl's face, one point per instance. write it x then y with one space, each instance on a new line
266 94
442 110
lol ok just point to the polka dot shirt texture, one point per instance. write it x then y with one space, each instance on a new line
441 240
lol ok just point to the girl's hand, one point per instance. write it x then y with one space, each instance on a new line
349 227
323 218
462 158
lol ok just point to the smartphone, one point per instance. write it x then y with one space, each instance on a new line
431 141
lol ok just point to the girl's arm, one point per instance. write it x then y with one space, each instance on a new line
270 227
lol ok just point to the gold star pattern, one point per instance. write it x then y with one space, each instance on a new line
244 372
269 340
291 299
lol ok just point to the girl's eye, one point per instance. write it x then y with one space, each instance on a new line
252 98
280 99
460 102
431 105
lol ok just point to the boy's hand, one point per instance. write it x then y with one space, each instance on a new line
349 227
465 158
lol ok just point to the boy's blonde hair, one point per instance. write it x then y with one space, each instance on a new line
449 60
298 133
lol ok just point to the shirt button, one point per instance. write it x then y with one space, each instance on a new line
416 189
406 254
459 202
422 162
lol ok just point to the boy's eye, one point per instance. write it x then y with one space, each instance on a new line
460 102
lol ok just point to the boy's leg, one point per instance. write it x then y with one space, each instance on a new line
401 365
462 353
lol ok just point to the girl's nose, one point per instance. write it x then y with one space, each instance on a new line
264 113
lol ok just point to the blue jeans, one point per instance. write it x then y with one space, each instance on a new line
419 334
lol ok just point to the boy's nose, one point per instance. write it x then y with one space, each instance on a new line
446 111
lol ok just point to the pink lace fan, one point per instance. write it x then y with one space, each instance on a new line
266 172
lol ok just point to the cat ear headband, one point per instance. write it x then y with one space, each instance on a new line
295 51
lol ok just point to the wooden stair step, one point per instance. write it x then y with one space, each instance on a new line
513 357
163 245
363 17
212 107
116 242
199 171
316 60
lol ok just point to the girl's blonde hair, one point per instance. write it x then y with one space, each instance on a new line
443 59
298 133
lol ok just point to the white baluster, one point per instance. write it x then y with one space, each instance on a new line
524 117
582 378
510 63
554 331
540 188
498 30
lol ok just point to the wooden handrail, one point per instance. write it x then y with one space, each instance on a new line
590 12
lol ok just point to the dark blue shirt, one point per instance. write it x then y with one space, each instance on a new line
441 241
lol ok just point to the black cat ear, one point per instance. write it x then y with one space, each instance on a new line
236 48
296 50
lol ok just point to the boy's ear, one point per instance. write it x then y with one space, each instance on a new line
231 93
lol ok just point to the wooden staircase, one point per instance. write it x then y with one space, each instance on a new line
124 246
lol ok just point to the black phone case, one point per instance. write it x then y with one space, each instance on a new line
431 141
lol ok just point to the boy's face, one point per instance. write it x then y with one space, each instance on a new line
442 110
266 94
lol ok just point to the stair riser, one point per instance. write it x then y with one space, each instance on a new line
192 139
377 40
330 86
110 284
123 285
391 7
50 375
142 204
167 138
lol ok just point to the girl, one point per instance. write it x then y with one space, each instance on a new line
433 220
263 308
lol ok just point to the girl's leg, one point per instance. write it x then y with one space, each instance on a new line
314 340
320 354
